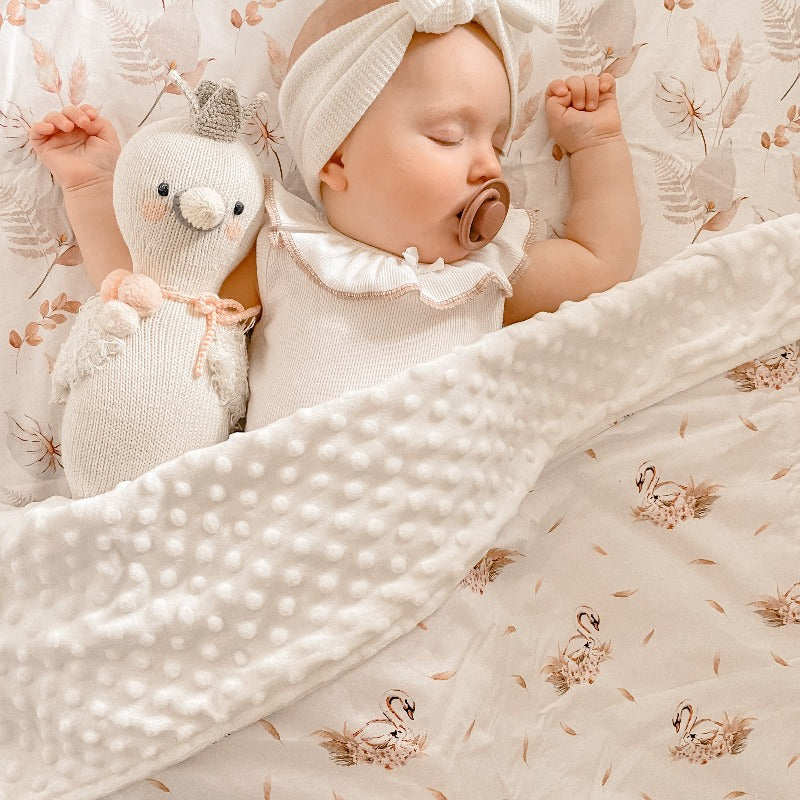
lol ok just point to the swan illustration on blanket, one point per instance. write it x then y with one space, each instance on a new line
666 503
386 740
783 609
579 660
772 372
488 568
704 739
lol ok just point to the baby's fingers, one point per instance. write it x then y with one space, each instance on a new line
591 85
41 130
558 89
608 83
577 88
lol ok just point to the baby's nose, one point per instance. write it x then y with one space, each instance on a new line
200 207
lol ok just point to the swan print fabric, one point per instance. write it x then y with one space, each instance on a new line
591 648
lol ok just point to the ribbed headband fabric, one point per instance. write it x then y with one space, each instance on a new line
338 76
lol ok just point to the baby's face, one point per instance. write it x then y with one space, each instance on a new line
431 137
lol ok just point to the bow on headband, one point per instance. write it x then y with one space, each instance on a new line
439 16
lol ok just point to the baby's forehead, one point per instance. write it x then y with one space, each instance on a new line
460 59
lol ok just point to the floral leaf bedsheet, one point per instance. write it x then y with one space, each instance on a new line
590 585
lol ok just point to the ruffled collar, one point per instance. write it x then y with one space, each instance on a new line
350 268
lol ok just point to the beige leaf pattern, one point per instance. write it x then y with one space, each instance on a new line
779 659
734 63
735 105
278 60
270 728
555 524
527 113
468 732
622 66
568 730
715 147
716 606
709 52
761 529
78 78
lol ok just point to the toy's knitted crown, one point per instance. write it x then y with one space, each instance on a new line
215 109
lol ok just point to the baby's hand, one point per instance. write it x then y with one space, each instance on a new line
582 112
77 145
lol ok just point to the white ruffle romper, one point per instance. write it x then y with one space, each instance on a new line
339 315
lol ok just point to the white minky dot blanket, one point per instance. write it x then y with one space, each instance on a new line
141 625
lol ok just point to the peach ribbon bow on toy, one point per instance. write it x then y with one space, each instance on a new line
217 311
131 297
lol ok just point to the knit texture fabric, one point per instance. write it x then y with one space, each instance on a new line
340 316
336 79
189 207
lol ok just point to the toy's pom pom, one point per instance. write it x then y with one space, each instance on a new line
143 294
110 285
118 319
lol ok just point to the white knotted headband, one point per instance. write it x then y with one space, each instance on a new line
335 80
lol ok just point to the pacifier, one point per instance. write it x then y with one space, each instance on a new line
484 214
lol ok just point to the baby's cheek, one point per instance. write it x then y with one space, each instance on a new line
153 210
233 231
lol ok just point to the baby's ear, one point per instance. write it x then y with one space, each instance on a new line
332 174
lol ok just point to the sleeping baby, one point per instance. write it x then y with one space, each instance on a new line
397 115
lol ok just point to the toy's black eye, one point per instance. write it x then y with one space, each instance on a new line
238 208
163 189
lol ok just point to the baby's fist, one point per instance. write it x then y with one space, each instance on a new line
582 111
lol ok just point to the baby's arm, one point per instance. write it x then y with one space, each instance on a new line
80 148
601 243
242 283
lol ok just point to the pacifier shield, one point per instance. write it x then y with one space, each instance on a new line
484 214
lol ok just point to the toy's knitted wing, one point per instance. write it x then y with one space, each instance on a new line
89 345
227 368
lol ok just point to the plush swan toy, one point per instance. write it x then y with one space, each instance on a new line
156 364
